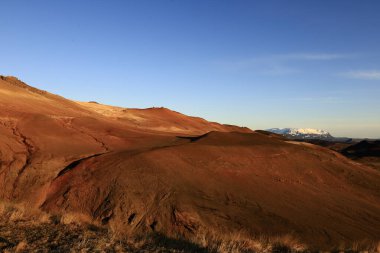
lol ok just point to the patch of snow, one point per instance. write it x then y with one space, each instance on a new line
305 132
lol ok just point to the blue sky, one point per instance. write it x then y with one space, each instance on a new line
260 64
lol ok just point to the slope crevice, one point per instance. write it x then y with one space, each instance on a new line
74 164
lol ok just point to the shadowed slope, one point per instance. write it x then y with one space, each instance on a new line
363 149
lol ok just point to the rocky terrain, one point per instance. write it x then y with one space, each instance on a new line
129 173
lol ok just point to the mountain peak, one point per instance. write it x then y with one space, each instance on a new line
302 133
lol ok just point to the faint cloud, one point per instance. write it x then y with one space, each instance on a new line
278 64
363 74
321 100
276 69
313 56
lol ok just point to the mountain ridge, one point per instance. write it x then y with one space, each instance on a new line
157 171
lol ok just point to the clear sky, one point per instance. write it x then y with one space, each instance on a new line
260 64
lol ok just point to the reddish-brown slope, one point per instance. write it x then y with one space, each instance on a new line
41 132
160 119
226 182
136 176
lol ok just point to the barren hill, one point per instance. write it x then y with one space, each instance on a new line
156 170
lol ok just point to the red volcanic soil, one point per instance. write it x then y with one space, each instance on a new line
144 170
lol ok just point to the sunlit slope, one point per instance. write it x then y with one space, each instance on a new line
144 170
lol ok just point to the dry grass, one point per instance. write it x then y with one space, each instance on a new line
23 230
16 212
239 242
359 246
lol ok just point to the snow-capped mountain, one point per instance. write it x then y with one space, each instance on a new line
302 133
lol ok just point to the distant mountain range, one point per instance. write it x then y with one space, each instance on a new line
309 134
303 133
